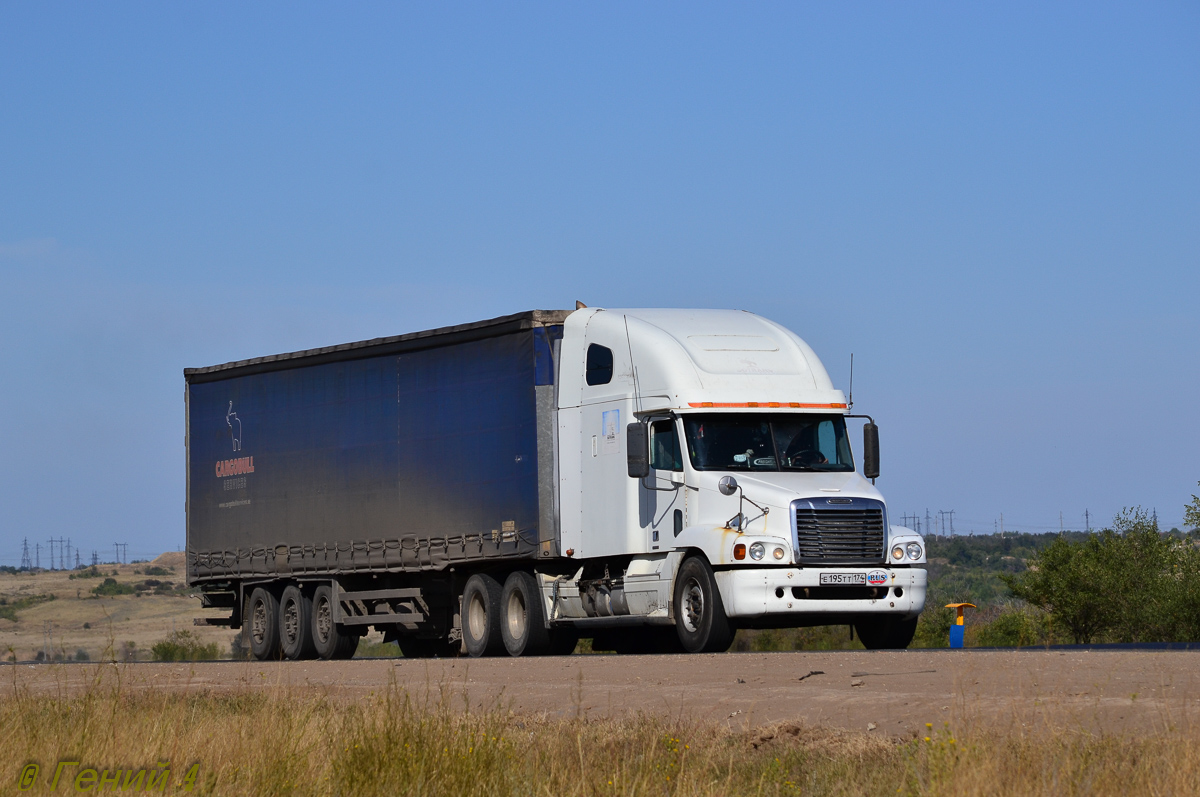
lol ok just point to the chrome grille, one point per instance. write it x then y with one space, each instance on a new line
851 535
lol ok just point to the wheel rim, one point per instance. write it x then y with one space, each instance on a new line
259 626
516 615
324 620
693 605
477 617
291 621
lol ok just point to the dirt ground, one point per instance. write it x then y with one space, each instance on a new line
896 691
78 620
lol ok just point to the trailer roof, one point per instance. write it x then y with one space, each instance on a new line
375 347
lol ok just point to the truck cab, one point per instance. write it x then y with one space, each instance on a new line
705 459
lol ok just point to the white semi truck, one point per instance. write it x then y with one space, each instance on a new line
652 479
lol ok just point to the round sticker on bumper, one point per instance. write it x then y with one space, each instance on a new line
877 578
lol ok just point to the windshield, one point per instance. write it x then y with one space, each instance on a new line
768 442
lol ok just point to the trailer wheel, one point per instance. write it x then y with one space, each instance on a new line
347 646
700 619
296 624
328 640
886 633
264 625
523 625
481 616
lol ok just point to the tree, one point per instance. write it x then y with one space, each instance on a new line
1128 583
1191 512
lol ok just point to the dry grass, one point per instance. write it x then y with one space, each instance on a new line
77 619
303 742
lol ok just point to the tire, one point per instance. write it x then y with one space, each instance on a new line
523 621
296 625
700 619
481 616
264 625
327 638
563 641
417 648
347 647
886 633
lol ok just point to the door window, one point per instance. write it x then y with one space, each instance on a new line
665 453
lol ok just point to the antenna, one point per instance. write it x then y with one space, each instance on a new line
850 401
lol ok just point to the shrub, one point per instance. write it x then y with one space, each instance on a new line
184 646
1128 583
9 609
87 572
155 570
1016 627
110 586
81 655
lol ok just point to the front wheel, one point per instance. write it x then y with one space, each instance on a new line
700 619
886 633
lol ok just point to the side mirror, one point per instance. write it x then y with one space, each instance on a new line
637 448
871 451
728 485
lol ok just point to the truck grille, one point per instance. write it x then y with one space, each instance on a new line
853 535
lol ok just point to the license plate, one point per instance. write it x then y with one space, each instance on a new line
843 578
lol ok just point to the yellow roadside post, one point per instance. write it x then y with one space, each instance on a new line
958 629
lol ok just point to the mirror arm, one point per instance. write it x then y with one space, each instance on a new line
670 489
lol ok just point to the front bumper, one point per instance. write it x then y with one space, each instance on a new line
765 591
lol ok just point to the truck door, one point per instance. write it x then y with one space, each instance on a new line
661 510
609 498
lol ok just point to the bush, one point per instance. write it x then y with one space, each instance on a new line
81 655
87 572
110 586
184 646
1128 583
1017 628
155 570
9 609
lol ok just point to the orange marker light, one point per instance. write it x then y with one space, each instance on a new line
795 405
739 551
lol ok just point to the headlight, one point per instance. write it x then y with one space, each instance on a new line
898 552
758 551
777 553
914 550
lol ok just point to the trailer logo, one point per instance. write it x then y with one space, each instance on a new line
234 467
238 466
234 431
877 578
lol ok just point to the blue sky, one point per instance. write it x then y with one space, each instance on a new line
996 207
